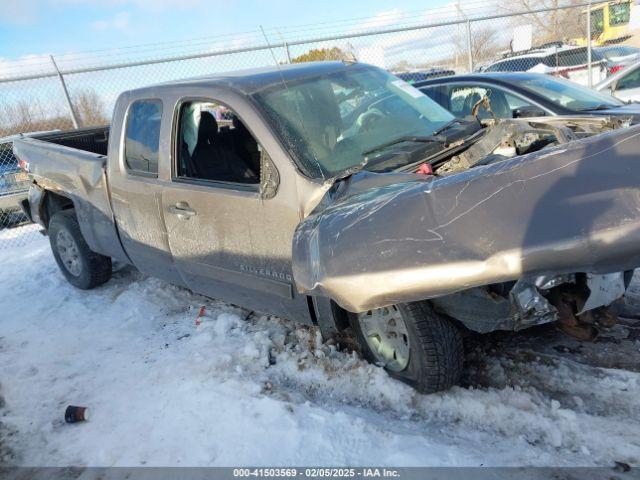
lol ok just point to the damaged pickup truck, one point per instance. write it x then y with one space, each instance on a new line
338 195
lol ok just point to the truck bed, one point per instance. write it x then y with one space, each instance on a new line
94 139
72 164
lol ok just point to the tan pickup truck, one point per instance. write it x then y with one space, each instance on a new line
336 194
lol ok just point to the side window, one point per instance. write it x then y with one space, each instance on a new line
514 102
436 94
213 144
514 65
496 67
631 80
464 97
619 14
142 138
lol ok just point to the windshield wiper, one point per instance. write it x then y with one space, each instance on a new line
365 161
405 138
446 126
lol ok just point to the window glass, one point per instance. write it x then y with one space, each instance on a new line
142 139
597 22
620 13
462 98
521 64
630 80
568 94
331 121
437 93
571 58
214 144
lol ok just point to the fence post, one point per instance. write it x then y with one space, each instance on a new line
589 68
469 48
74 119
286 49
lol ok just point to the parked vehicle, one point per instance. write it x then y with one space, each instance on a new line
514 95
341 195
565 61
610 22
625 84
421 75
14 185
618 56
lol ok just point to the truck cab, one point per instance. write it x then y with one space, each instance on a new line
195 180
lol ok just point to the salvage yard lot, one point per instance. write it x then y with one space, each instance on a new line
244 388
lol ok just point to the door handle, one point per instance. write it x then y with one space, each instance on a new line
182 210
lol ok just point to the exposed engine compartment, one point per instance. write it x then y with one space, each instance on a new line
571 299
507 138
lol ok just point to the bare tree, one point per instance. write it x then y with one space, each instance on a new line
559 24
484 45
89 108
31 114
28 115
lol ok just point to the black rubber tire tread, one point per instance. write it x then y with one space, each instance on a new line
437 353
96 268
441 347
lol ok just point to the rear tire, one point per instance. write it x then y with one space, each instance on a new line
82 267
435 350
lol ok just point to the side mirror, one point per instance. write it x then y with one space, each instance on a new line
528 111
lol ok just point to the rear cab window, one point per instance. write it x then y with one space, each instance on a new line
142 137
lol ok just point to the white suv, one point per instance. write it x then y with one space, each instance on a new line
565 61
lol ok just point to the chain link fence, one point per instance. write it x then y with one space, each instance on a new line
70 91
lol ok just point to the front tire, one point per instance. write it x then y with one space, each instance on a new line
413 343
82 267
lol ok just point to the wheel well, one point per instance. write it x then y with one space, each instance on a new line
328 315
340 316
53 203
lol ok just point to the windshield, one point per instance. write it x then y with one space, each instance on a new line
329 121
568 94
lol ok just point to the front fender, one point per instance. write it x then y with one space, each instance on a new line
571 208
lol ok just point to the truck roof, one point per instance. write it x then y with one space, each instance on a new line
252 80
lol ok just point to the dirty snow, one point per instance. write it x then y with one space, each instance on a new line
244 388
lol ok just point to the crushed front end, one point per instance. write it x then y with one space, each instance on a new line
579 302
534 221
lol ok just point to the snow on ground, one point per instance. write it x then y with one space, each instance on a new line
246 389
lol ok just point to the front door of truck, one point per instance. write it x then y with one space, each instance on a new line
228 238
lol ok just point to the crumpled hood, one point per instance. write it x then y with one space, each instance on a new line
571 208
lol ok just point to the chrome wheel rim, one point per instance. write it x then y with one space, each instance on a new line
386 335
69 253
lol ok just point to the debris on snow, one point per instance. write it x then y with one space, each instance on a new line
246 388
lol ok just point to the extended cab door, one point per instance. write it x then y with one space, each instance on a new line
135 148
229 222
